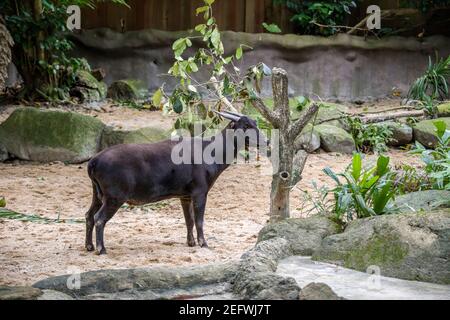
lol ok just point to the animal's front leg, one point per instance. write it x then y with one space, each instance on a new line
189 218
199 203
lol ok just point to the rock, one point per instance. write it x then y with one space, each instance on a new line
125 90
443 110
99 74
54 295
269 286
329 113
87 88
50 135
422 201
308 139
135 280
113 137
335 139
425 132
19 293
255 277
402 134
410 246
303 234
4 155
318 291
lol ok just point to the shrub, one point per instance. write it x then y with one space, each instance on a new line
369 137
329 13
437 161
433 84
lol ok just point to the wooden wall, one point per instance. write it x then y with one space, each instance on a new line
175 15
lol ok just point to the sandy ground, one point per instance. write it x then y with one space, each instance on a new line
136 237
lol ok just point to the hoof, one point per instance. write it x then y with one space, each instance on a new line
101 252
90 247
191 243
202 244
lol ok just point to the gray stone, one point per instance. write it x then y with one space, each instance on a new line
443 110
54 295
425 132
255 277
402 134
335 139
111 137
4 155
411 246
50 135
303 234
309 140
318 291
87 88
144 279
332 114
125 90
422 201
19 293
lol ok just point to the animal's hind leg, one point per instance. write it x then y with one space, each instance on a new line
95 206
106 212
199 204
189 218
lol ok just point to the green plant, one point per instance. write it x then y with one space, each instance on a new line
433 84
318 17
437 161
361 192
8 214
194 99
42 48
369 137
408 179
272 28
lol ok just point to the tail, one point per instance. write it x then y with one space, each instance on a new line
91 172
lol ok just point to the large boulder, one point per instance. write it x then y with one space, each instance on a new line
443 110
402 134
318 291
49 135
113 136
335 139
425 132
332 114
87 88
125 90
303 234
255 276
308 139
422 201
411 246
19 293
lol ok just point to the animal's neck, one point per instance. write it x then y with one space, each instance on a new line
225 155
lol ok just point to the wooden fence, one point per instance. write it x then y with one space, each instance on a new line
175 15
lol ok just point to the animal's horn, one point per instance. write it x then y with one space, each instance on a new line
228 116
235 114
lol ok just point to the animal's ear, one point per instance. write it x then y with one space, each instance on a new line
228 116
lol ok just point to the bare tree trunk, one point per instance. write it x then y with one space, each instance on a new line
291 161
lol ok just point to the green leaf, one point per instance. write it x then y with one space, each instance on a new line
178 105
239 53
382 165
201 10
441 126
209 2
272 28
2 202
157 97
356 166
